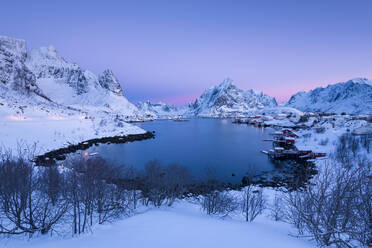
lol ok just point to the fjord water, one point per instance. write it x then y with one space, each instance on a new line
202 144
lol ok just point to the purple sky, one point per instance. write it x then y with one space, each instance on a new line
173 50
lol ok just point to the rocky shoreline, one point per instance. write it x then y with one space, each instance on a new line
51 157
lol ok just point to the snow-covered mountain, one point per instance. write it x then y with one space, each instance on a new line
353 97
228 100
48 103
43 79
161 110
69 84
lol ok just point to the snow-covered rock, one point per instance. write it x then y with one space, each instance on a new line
45 62
228 100
108 81
353 97
14 75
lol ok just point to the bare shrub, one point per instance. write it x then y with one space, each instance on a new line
320 130
365 141
253 203
324 142
276 209
219 203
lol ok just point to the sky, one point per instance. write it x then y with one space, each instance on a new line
171 51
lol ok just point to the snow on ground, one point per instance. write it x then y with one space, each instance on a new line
183 225
365 130
56 131
325 141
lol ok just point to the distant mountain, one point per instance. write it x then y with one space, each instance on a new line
353 97
228 100
156 110
43 77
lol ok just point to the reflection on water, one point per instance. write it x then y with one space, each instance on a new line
233 151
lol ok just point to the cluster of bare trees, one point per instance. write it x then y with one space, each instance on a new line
82 192
336 209
39 199
250 201
29 202
164 184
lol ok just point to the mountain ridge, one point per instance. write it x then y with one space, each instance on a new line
353 96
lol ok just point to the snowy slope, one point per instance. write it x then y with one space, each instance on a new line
228 100
182 226
353 97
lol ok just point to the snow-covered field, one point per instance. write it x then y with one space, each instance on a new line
52 132
182 225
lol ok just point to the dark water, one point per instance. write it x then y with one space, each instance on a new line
215 145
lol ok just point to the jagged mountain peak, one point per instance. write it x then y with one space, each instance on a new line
360 81
226 99
109 81
47 55
16 47
226 84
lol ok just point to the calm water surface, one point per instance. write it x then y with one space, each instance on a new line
200 144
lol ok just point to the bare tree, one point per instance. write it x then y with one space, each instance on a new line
253 202
276 208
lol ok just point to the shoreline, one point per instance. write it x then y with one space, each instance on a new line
49 158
